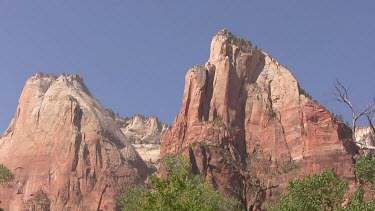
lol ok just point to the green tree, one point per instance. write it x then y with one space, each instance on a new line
365 169
356 202
326 191
180 190
323 191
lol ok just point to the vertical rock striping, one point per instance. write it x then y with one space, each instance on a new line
248 130
65 150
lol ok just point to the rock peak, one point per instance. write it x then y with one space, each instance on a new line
229 38
225 44
81 159
243 106
71 81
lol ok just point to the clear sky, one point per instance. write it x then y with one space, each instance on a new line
133 55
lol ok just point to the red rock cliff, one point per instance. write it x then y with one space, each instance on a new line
65 150
248 129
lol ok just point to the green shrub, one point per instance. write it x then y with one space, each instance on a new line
218 120
305 93
365 169
323 192
232 39
180 190
356 202
5 175
320 192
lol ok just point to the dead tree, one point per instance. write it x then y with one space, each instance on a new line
341 95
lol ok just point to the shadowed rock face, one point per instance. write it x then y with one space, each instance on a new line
248 130
65 150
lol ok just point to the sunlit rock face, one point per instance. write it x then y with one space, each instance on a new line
366 137
144 134
247 128
65 150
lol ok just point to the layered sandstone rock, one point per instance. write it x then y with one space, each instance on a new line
248 129
65 150
144 134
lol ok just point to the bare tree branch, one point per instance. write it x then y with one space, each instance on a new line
341 95
370 123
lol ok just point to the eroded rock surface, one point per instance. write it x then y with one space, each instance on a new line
144 134
365 136
247 128
65 150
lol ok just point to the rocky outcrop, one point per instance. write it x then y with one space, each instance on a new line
365 136
65 150
142 130
144 134
247 127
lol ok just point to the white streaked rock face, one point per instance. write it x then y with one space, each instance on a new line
365 136
142 130
145 134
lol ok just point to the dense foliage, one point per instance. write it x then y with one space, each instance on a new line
365 170
326 191
180 190
356 202
323 191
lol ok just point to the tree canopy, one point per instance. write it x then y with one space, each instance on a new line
365 169
180 190
325 191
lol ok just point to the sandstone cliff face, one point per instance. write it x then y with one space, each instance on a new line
144 134
248 130
65 150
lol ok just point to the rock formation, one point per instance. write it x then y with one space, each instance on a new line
142 130
248 129
65 150
365 136
144 134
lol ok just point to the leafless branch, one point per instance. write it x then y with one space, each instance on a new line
370 123
341 95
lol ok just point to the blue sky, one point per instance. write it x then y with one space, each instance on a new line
133 55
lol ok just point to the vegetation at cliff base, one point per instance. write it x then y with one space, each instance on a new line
323 192
179 191
365 170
